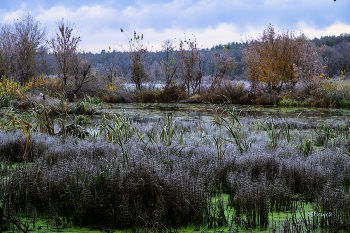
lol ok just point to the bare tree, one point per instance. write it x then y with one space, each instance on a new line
220 63
28 36
44 61
190 65
137 52
109 68
64 46
73 68
169 64
309 69
344 49
81 68
7 50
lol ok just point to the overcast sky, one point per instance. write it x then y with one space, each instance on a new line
210 21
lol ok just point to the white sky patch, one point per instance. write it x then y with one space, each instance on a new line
293 2
334 29
212 22
206 38
91 23
84 18
11 16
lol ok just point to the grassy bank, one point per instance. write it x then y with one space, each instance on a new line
332 93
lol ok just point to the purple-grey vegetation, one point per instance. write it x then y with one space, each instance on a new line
161 175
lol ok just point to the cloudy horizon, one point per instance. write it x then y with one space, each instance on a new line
210 22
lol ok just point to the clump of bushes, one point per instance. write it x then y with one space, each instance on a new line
236 92
12 91
171 94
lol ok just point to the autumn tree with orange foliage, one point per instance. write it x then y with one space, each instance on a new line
281 60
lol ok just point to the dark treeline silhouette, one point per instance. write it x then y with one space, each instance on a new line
336 54
331 40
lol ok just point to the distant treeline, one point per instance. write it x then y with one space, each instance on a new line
27 53
336 57
336 54
154 61
279 67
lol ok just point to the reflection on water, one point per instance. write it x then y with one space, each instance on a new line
153 112
144 113
206 112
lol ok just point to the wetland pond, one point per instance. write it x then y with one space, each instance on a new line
145 113
206 112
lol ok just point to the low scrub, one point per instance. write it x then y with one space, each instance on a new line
171 94
227 90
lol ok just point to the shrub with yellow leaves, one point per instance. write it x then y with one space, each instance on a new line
51 84
11 90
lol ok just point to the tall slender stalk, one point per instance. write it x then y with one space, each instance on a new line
118 129
242 144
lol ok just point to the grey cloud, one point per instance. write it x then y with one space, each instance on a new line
184 14
95 18
203 14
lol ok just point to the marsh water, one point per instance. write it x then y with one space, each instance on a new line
207 112
144 113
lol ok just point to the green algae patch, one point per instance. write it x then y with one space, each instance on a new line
53 225
276 221
300 212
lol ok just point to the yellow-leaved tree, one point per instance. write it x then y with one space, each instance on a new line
278 60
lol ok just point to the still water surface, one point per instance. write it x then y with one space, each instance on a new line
207 112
